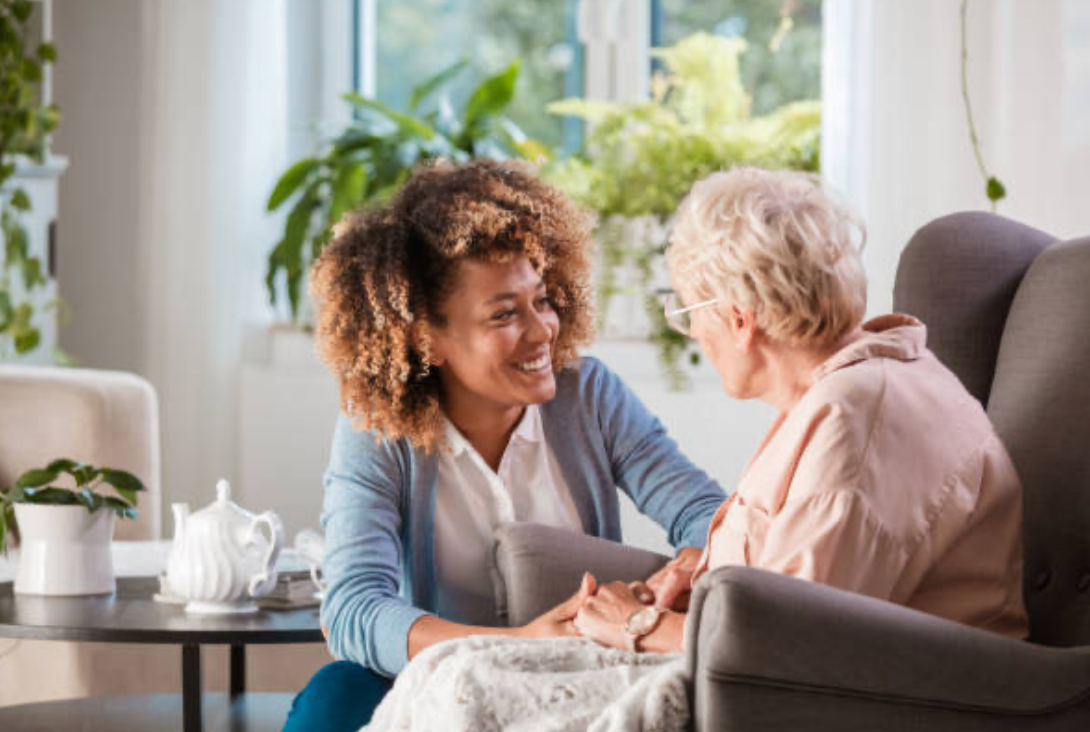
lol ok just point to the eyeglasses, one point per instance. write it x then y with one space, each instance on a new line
678 317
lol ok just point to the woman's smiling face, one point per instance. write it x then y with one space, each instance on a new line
495 350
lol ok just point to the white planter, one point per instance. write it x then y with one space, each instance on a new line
64 550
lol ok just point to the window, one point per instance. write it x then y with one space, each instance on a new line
399 43
783 60
402 42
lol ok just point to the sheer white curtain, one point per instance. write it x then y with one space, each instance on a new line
214 133
895 138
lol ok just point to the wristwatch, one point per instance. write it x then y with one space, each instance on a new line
640 623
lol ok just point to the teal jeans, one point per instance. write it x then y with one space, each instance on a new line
341 697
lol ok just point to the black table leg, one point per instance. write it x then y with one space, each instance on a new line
238 670
191 687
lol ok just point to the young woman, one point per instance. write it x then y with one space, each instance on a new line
451 319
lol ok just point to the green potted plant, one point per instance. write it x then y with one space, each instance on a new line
25 124
642 157
65 532
374 156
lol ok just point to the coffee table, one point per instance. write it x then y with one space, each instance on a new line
131 616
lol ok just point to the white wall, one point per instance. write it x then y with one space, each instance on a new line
97 83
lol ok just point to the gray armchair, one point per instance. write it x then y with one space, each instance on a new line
1008 310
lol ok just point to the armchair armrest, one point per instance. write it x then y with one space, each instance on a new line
535 568
768 651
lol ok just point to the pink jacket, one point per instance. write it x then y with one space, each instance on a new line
887 479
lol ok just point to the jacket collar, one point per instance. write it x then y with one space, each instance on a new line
896 336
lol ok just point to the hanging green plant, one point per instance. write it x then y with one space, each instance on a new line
642 158
25 124
994 189
375 155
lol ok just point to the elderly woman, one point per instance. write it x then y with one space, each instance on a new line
881 474
450 318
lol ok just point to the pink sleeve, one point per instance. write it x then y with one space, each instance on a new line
832 538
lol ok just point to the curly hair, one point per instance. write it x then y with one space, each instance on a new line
383 277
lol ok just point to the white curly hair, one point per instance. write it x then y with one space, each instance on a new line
776 243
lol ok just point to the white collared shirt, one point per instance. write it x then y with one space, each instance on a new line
472 500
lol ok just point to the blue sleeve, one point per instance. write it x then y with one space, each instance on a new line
649 467
367 620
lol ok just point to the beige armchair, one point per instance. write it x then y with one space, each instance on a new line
108 418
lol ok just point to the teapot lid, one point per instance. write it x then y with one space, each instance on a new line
223 508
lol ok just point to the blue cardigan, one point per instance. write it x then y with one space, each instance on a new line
380 500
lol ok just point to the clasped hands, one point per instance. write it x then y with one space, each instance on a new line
602 612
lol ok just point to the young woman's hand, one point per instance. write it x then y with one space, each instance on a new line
558 621
604 616
670 587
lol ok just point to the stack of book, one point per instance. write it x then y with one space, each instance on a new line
292 590
294 586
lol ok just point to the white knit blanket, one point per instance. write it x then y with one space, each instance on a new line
491 683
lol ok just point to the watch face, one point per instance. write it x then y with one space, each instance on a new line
643 621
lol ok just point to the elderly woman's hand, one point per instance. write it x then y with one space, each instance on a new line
669 588
604 616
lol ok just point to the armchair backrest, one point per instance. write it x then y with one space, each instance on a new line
1040 406
959 274
1008 310
106 418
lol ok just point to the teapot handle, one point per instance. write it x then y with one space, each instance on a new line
263 582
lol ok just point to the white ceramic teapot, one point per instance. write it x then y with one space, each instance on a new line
220 560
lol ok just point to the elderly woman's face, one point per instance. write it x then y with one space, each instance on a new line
724 337
495 351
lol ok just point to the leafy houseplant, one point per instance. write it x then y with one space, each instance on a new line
25 125
34 488
642 157
375 155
